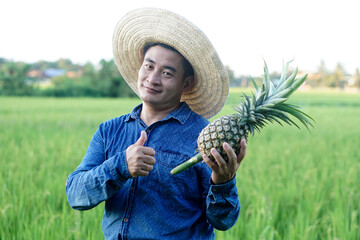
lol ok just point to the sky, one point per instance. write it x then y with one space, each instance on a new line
244 33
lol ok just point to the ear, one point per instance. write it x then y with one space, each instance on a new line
189 83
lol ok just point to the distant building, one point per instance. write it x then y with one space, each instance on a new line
74 74
43 78
37 74
54 72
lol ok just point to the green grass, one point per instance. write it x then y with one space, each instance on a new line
292 185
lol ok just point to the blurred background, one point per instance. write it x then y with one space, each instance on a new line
58 48
58 82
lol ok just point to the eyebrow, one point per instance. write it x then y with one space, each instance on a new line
167 67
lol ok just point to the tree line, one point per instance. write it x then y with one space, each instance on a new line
63 78
322 78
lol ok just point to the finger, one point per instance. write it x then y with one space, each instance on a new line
136 171
140 169
242 153
142 139
142 173
148 151
218 158
149 160
147 167
231 154
212 165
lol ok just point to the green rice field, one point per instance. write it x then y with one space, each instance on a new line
293 184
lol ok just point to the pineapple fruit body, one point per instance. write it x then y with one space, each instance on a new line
224 129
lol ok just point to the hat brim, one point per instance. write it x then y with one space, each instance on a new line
149 25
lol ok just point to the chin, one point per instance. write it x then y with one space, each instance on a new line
149 100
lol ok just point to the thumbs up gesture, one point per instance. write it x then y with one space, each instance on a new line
140 159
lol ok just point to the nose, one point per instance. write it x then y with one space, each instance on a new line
153 78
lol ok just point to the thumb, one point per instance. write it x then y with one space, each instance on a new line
142 139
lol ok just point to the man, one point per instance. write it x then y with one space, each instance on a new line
129 158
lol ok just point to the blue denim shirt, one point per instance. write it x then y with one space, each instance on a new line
160 205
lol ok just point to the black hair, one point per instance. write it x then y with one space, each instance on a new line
188 70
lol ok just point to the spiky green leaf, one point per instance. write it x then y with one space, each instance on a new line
282 94
288 82
296 113
260 99
275 101
266 83
297 83
284 73
255 85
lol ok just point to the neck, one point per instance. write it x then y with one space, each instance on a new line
150 114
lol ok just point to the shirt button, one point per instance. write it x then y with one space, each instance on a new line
126 220
132 188
148 130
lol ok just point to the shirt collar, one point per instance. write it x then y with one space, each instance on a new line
181 114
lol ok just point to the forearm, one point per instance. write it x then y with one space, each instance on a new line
88 186
223 205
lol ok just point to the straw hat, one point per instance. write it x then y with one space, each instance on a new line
149 25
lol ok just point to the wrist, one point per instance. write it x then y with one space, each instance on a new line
225 188
220 180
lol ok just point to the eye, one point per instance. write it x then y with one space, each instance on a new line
167 74
148 66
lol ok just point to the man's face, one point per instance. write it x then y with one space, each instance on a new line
160 80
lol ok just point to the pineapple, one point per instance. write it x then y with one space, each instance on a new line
266 105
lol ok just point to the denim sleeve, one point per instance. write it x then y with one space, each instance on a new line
223 205
96 179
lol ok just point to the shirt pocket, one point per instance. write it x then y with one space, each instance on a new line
161 181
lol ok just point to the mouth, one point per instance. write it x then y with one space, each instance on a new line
151 90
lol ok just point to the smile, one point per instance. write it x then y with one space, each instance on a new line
151 90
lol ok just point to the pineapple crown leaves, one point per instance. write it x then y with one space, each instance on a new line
268 102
